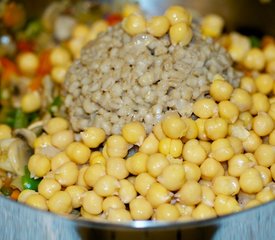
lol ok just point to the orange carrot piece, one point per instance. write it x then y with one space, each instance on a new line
15 194
36 83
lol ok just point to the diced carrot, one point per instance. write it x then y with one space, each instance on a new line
15 194
25 46
36 82
8 68
113 19
44 63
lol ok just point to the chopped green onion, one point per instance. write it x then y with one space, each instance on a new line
28 182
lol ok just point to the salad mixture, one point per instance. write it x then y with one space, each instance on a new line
120 116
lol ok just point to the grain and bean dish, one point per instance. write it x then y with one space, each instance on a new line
121 117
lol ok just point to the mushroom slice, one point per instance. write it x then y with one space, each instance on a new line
26 135
14 155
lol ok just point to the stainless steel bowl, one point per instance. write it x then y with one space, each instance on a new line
24 223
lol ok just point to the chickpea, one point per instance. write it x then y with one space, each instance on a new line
28 63
263 124
177 14
112 202
194 152
221 90
116 167
236 144
265 174
241 99
58 160
172 177
205 108
5 131
252 142
238 163
203 211
78 152
206 146
130 8
92 203
47 187
97 27
200 122
247 119
167 212
184 210
106 186
55 125
118 215
31 102
39 165
254 59
180 33
228 111
93 137
25 194
116 146
251 181
173 126
59 56
252 203
98 159
190 193
225 205
134 24
226 185
37 201
221 150
158 26
76 193
136 164
62 139
156 163
141 209
158 132
260 103
212 25
134 133
80 180
269 52
270 68
67 174
216 128
58 74
94 217
211 168
143 182
208 196
60 203
265 155
157 195
266 195
127 191
192 171
192 128
264 83
238 130
171 147
93 173
150 144
248 84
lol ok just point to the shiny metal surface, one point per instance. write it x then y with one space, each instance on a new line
21 222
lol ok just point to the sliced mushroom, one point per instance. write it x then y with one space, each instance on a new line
14 155
26 135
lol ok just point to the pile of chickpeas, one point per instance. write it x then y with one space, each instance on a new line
176 20
186 168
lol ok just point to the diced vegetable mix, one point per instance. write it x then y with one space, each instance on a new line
220 161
